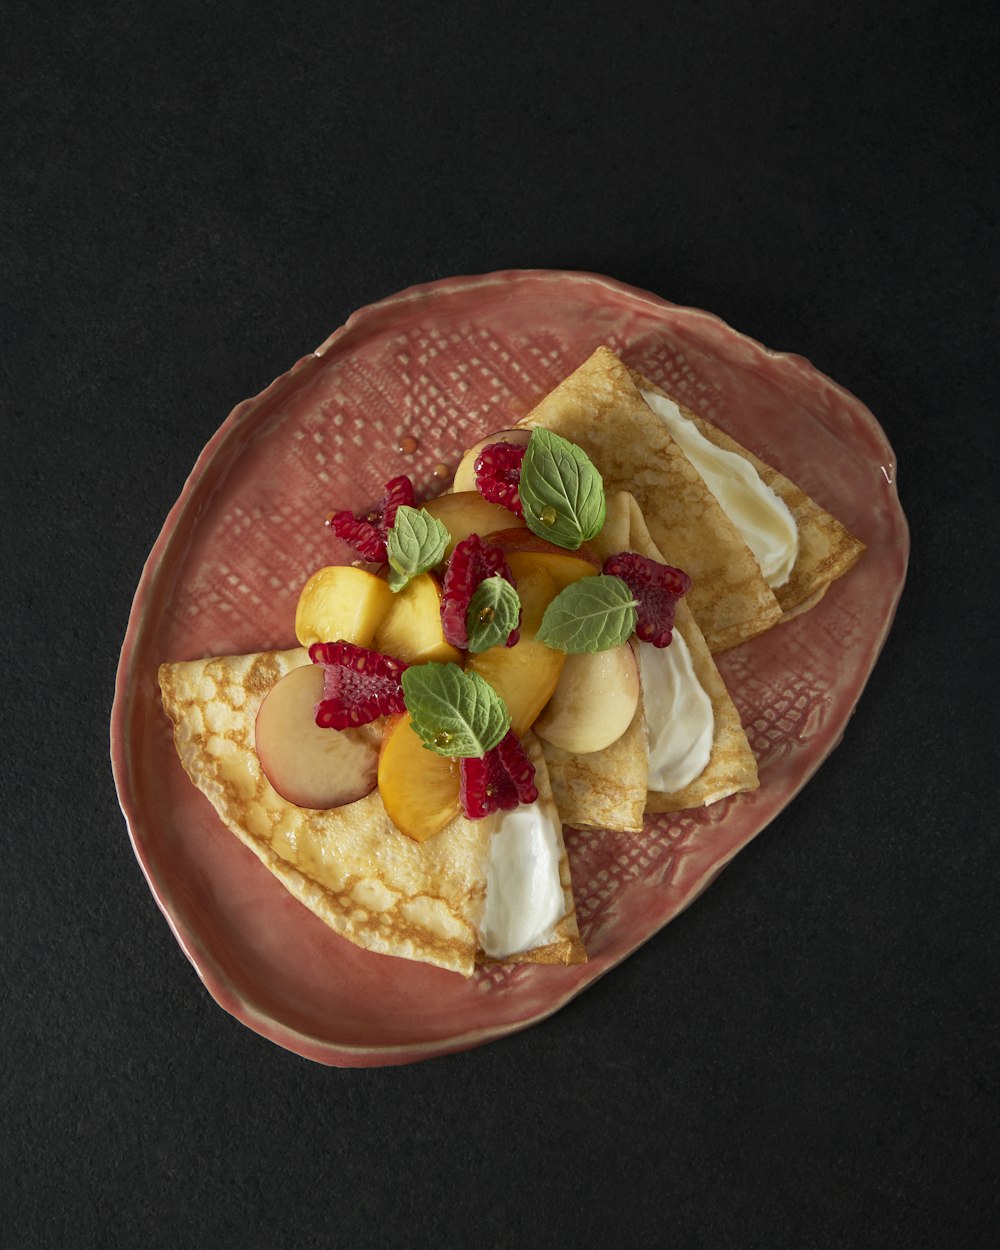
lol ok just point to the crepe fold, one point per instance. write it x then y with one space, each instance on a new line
609 789
826 548
350 865
599 407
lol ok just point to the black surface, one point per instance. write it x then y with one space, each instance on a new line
192 197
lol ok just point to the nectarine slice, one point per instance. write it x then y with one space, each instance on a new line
467 512
465 474
411 628
341 602
309 766
594 701
419 788
525 675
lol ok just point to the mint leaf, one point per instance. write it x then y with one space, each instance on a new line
593 614
454 713
494 611
560 490
415 544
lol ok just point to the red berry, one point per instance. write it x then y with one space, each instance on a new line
367 534
359 685
657 587
501 779
471 562
498 475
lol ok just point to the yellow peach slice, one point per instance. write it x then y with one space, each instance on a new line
465 474
526 674
341 602
467 512
411 627
420 789
565 566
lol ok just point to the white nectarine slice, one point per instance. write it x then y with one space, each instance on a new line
594 702
465 474
467 512
341 602
420 789
309 766
411 628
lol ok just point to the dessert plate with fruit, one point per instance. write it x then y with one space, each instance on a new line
262 597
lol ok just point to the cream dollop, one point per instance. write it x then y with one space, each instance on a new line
762 518
524 895
680 723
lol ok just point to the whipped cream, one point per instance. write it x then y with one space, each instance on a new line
762 518
680 724
524 896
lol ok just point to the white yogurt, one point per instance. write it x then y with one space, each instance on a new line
524 896
680 724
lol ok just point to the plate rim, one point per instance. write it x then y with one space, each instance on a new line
361 321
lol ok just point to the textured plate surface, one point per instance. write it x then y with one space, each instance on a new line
445 364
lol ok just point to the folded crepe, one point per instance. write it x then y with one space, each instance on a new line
609 789
826 549
600 408
348 865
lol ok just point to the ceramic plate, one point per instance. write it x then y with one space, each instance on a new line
443 365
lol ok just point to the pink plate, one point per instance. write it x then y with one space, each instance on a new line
446 363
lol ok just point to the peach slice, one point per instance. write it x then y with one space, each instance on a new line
525 675
594 702
467 512
465 474
419 788
564 566
309 766
341 602
411 628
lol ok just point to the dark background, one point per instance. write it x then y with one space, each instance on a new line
193 196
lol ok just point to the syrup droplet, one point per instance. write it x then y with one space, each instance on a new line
487 615
548 515
441 470
408 444
491 789
328 519
441 738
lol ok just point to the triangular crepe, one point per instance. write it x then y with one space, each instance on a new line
350 865
826 549
609 789
599 408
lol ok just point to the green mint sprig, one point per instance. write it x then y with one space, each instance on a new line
454 713
494 611
593 614
560 490
415 543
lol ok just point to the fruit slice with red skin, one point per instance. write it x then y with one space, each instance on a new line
565 566
309 766
467 512
500 780
594 701
525 675
411 627
419 788
465 474
341 602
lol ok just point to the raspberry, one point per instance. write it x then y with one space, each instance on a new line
471 562
502 778
359 685
498 475
657 587
367 534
